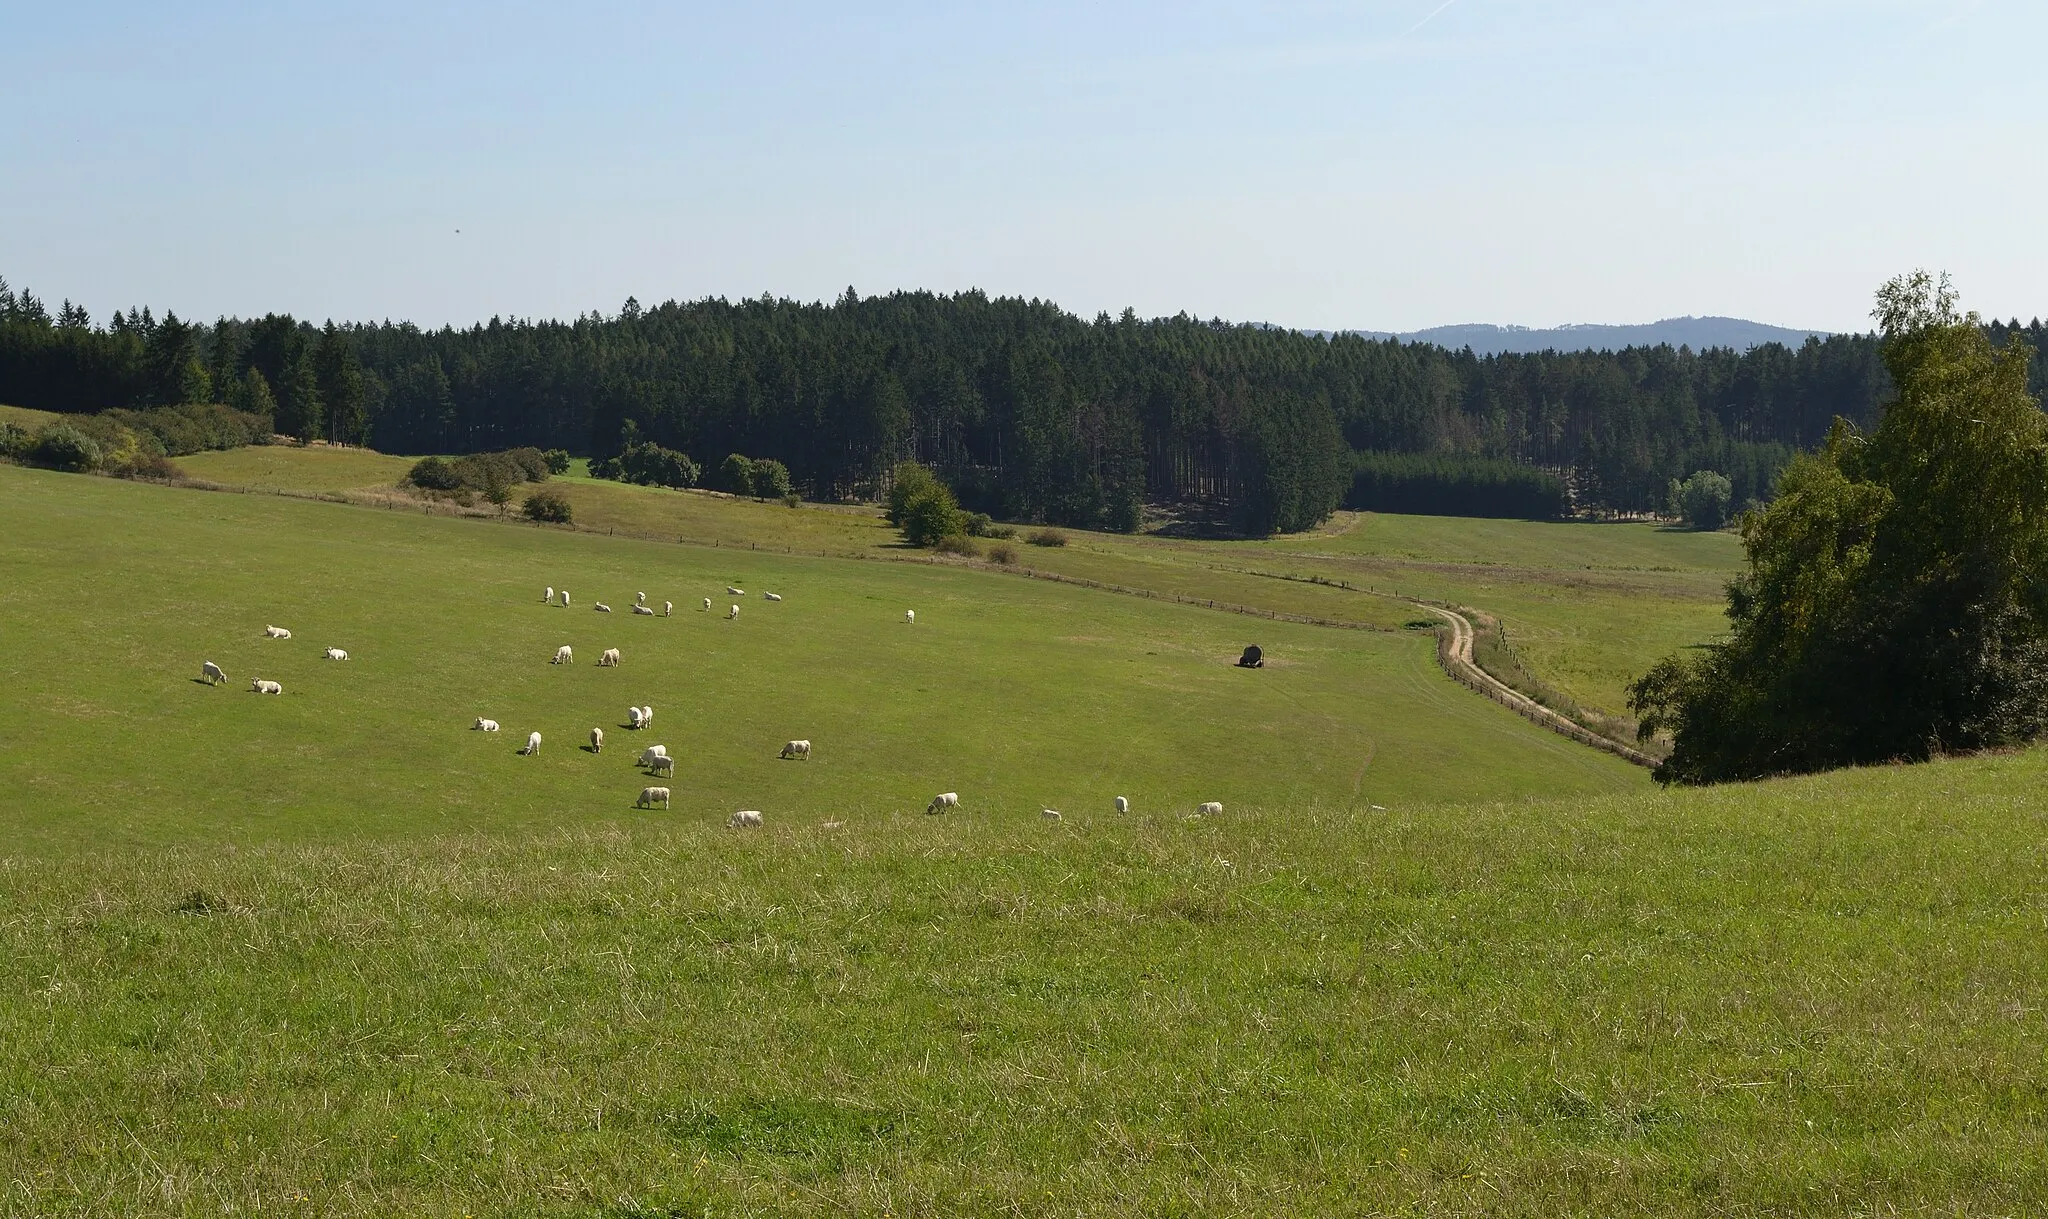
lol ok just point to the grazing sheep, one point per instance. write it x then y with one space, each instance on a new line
652 752
733 614
943 801
1210 809
548 597
335 654
668 609
646 716
211 672
644 611
737 592
1050 814
910 616
484 725
633 718
663 765
601 607
1122 805
563 656
797 749
597 740
707 605
565 598
277 632
639 598
608 659
532 744
744 818
772 596
260 686
649 796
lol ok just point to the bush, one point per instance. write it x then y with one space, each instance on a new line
148 467
550 505
558 461
978 524
433 474
62 447
531 463
736 474
14 441
909 482
179 431
1046 537
1003 553
1703 500
650 465
956 543
771 478
793 500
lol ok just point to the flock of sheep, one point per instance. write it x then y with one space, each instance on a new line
655 759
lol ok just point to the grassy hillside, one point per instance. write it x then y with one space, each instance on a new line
25 417
331 954
1588 607
1018 693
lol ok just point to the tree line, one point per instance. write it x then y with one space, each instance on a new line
1025 410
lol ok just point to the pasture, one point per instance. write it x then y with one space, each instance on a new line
330 953
1588 607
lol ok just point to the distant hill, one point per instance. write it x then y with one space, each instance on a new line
1693 332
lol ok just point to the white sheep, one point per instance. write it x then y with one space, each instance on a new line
797 749
733 614
260 686
484 725
565 598
548 597
608 659
649 796
646 716
277 632
1210 808
743 819
335 654
601 607
564 655
910 616
737 592
668 609
633 718
643 611
597 740
772 596
639 598
1050 814
211 672
652 752
663 765
532 744
1122 805
707 605
943 801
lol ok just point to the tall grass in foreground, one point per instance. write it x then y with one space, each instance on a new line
1818 996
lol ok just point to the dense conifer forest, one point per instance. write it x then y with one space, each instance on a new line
1027 411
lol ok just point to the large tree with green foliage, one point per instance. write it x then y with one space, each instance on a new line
1896 600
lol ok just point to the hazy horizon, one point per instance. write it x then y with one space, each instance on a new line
1389 166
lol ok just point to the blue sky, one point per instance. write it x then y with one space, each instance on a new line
1391 164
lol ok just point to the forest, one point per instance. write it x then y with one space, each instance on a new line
1025 410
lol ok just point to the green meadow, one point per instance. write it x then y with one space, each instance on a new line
332 953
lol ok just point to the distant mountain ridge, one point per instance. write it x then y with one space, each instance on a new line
1694 332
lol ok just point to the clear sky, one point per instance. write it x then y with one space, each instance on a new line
1387 164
